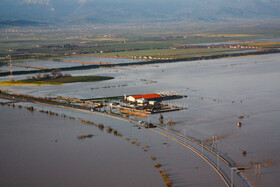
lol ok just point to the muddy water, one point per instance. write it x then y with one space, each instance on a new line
218 92
56 64
30 155
101 59
42 150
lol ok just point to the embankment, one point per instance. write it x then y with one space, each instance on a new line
269 51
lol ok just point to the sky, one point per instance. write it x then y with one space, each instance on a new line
108 11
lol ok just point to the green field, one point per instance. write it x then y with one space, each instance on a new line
32 45
168 53
57 81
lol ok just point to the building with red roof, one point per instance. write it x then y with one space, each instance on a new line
147 97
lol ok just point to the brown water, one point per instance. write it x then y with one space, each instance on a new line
42 150
31 157
218 92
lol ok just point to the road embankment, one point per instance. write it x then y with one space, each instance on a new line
262 52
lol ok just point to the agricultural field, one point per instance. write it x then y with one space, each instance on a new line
57 81
168 53
34 45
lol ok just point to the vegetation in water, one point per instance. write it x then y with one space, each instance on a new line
56 78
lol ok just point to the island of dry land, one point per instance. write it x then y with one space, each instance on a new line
57 81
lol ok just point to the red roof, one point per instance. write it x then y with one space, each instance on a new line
146 96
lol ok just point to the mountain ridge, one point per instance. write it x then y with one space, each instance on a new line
128 11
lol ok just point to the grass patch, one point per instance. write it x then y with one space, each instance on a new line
25 82
224 35
57 81
264 44
167 53
106 39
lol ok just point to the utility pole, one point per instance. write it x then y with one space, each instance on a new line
218 160
11 68
202 147
214 142
231 176
167 130
258 168
185 136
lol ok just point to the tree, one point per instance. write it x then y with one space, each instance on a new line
38 76
56 73
46 76
170 122
160 119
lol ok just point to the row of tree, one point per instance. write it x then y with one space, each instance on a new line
55 74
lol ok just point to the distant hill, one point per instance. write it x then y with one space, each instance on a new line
131 11
20 23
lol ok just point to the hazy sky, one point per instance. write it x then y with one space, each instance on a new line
122 10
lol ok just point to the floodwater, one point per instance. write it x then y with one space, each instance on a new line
101 59
218 92
39 150
39 64
57 64
215 43
42 150
268 40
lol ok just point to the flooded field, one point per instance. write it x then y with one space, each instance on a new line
215 43
220 93
40 64
44 151
101 59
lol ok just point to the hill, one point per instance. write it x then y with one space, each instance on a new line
133 11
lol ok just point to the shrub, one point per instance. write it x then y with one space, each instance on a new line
153 158
100 126
168 182
109 129
81 137
157 165
115 132
240 117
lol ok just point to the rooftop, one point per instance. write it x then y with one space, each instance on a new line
146 96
